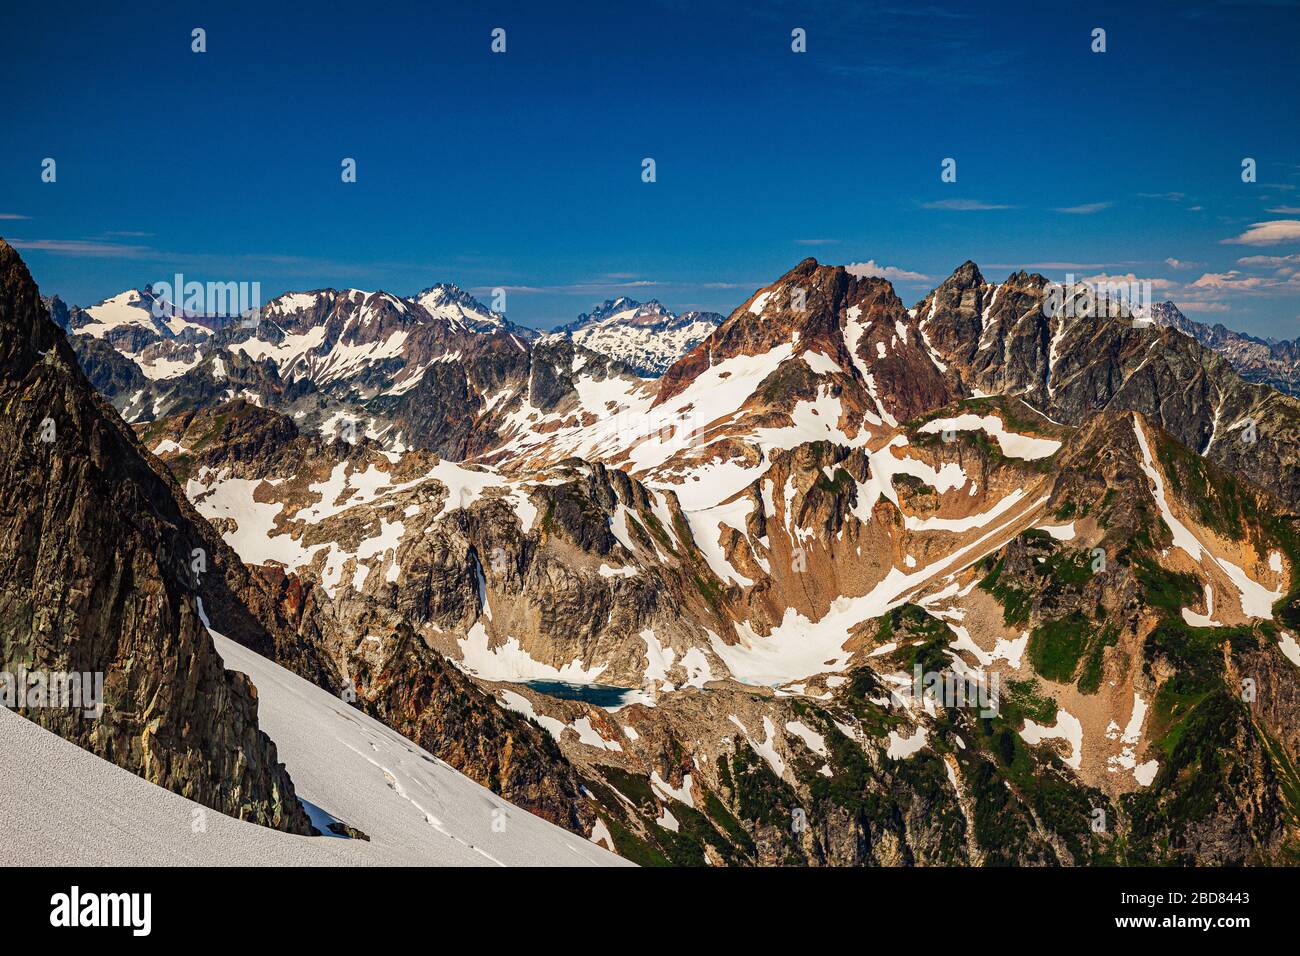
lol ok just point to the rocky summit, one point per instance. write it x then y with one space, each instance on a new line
833 580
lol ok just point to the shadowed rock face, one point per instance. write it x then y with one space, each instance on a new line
111 372
418 693
1001 340
95 577
1269 363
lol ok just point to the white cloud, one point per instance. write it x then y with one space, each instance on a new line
1240 281
1232 279
1086 209
77 247
1128 279
869 270
963 205
1283 265
1055 266
1180 263
1269 233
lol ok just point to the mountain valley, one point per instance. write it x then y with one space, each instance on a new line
686 585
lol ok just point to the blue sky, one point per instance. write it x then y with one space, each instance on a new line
523 170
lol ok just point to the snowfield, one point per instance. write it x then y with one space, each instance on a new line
1013 444
77 809
798 648
1256 599
1067 727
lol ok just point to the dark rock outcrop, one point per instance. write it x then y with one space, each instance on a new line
1001 339
418 693
1276 364
97 576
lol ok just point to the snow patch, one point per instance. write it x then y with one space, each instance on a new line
1013 444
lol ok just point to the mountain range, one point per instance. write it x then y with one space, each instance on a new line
685 585
1257 360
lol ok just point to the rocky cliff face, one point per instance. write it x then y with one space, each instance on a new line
1001 339
418 693
99 576
1276 364
59 312
858 324
112 373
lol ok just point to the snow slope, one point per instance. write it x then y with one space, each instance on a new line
64 805
134 307
124 309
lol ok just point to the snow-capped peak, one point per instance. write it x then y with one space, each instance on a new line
138 308
458 307
622 311
298 301
647 337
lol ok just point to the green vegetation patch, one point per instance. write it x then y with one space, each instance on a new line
915 486
1016 602
1169 591
1223 503
1021 701
1094 664
836 485
1055 647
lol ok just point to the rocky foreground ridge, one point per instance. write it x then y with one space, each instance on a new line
99 576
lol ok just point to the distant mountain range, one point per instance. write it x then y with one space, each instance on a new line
646 337
1258 360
